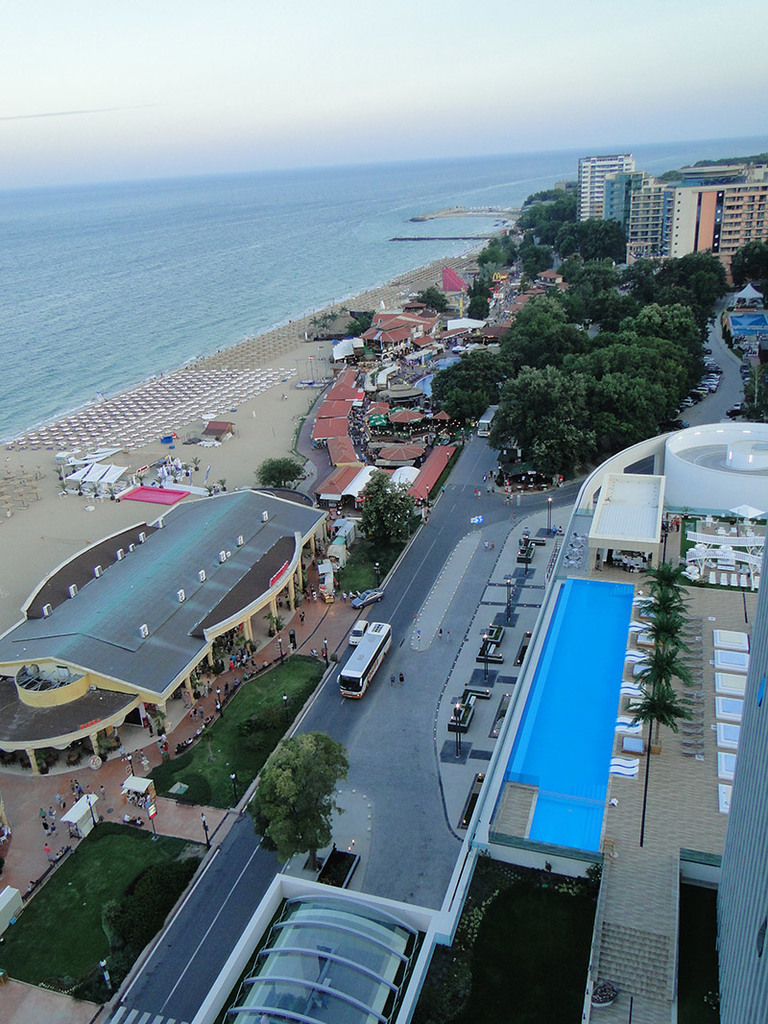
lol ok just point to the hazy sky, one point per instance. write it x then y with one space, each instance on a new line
98 91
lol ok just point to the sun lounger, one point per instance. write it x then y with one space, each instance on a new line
626 766
730 640
734 579
728 735
723 579
728 709
633 745
724 798
630 690
731 661
726 765
625 723
743 580
756 582
730 684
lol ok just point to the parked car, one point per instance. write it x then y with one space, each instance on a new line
367 597
734 411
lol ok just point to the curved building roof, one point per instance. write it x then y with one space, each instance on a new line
329 958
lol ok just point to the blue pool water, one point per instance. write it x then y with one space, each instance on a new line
565 740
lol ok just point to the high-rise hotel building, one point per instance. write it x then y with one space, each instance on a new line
592 174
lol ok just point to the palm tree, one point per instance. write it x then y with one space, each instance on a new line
663 665
666 629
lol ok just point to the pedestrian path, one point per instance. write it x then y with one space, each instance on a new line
429 620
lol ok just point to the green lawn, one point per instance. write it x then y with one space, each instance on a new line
59 937
359 572
520 954
698 980
230 746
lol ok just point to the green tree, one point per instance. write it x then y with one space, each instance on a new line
750 263
358 324
389 512
478 308
283 472
433 298
479 372
294 801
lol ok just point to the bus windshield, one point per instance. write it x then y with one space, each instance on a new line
365 660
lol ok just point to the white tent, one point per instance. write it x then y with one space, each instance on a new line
81 817
97 474
748 294
356 487
405 475
747 512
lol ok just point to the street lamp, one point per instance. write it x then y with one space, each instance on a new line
233 776
485 657
457 722
508 581
205 830
377 570
285 704
280 648
90 797
549 515
325 650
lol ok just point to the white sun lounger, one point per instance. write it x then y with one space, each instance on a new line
730 640
626 766
730 684
731 661
625 723
728 709
728 735
633 745
726 765
724 797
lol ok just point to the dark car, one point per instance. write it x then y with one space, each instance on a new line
367 597
734 411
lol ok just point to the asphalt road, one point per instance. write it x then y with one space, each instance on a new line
393 757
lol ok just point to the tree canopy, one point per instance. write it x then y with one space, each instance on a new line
389 512
283 472
750 263
294 801
433 298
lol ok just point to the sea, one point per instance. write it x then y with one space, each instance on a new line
103 286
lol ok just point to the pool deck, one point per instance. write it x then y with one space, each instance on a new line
637 926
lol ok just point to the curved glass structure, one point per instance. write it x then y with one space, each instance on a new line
328 959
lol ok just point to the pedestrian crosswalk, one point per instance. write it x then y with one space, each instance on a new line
124 1015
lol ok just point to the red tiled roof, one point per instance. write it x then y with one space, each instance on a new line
436 462
334 407
337 481
337 426
341 451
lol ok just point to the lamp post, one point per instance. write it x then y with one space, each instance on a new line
285 704
325 650
485 657
280 649
508 581
457 721
377 570
233 776
205 830
549 515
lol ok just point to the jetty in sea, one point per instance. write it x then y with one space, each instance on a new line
507 213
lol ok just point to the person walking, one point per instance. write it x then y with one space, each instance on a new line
47 851
402 678
392 679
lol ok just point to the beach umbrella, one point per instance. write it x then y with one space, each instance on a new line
377 420
405 416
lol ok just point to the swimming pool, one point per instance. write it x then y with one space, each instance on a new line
565 739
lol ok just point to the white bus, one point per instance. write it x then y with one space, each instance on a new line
485 421
366 658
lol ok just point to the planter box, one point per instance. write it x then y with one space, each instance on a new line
338 868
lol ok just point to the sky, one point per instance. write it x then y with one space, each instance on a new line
103 91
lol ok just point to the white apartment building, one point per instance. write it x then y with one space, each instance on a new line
592 174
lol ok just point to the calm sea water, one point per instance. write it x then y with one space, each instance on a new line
102 286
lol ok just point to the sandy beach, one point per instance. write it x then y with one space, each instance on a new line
252 384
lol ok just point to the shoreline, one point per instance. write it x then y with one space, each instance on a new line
262 348
40 527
